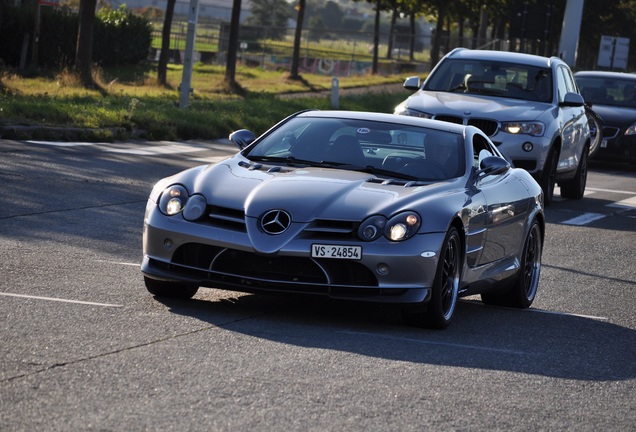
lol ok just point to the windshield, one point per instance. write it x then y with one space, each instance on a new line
492 78
389 150
608 91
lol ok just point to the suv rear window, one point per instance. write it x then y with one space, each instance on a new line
509 80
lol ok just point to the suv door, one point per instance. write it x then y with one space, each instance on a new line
573 120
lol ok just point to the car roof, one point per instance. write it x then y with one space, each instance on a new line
387 118
503 56
606 74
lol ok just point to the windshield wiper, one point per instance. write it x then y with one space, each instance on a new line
367 169
288 160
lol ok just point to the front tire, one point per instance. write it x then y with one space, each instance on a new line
445 291
523 292
548 176
170 289
575 188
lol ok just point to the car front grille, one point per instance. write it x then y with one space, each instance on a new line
320 229
264 271
489 127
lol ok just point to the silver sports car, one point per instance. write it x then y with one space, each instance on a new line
356 206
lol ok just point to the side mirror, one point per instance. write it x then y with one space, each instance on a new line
412 83
493 165
573 100
242 138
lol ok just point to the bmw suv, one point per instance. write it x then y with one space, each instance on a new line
528 105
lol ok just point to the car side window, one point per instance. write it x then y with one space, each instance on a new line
561 84
481 149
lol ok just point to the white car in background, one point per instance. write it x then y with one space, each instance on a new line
528 105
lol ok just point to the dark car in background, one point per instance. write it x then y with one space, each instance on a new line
528 105
612 96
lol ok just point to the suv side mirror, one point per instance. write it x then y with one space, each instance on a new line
573 100
412 83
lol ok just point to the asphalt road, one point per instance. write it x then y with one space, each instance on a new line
83 346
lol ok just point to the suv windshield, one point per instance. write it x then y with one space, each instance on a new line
492 78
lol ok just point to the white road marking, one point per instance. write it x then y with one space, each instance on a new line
60 300
626 203
120 263
159 150
426 342
63 144
597 318
210 160
584 219
611 191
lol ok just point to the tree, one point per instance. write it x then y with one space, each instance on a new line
84 51
272 14
232 47
162 67
297 39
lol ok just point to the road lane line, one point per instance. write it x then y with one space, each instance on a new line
61 300
62 144
584 219
611 191
592 317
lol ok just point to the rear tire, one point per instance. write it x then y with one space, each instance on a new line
170 289
522 293
575 188
440 310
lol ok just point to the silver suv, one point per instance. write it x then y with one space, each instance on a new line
528 105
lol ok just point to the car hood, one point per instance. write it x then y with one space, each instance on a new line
615 116
306 193
466 105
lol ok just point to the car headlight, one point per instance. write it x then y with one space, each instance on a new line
525 128
402 226
631 130
175 199
403 110
372 228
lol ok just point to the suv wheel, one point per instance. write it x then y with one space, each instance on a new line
575 188
548 176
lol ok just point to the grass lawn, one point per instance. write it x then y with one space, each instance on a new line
127 102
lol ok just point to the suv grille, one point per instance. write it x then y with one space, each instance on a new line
489 127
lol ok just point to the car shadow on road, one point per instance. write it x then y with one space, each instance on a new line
532 341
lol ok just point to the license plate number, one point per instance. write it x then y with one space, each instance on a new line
336 251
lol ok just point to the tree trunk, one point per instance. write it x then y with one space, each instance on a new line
297 39
162 67
232 45
376 37
84 51
389 50
439 30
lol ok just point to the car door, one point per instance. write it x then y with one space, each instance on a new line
505 208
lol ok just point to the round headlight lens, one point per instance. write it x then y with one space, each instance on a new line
173 200
372 228
195 207
173 207
398 231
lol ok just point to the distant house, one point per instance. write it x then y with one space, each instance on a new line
216 9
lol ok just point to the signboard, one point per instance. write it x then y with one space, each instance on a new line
613 52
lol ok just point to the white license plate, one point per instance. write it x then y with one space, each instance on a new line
336 251
604 144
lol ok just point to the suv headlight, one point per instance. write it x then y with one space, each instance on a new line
525 128
404 110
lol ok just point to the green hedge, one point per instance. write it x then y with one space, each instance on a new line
119 37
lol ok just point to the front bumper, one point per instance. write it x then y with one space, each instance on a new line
181 251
